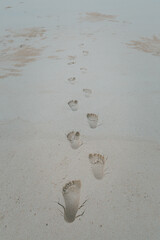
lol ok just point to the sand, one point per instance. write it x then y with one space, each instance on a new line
48 58
96 16
14 55
148 45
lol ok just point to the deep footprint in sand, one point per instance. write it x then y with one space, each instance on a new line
71 80
73 104
71 195
87 92
74 139
92 120
97 164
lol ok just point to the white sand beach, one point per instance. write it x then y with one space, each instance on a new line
104 55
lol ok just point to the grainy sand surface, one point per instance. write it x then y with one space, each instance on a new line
49 53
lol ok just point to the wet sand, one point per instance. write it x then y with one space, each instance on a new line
148 45
13 56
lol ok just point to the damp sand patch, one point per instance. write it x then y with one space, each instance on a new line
15 53
148 45
54 57
29 32
18 57
97 17
10 72
60 50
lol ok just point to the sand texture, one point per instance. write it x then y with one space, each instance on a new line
79 120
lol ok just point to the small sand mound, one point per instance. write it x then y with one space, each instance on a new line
29 32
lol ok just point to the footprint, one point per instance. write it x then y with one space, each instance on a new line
70 136
74 139
85 53
71 57
73 105
81 44
83 69
92 120
71 195
70 63
87 92
72 80
97 164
